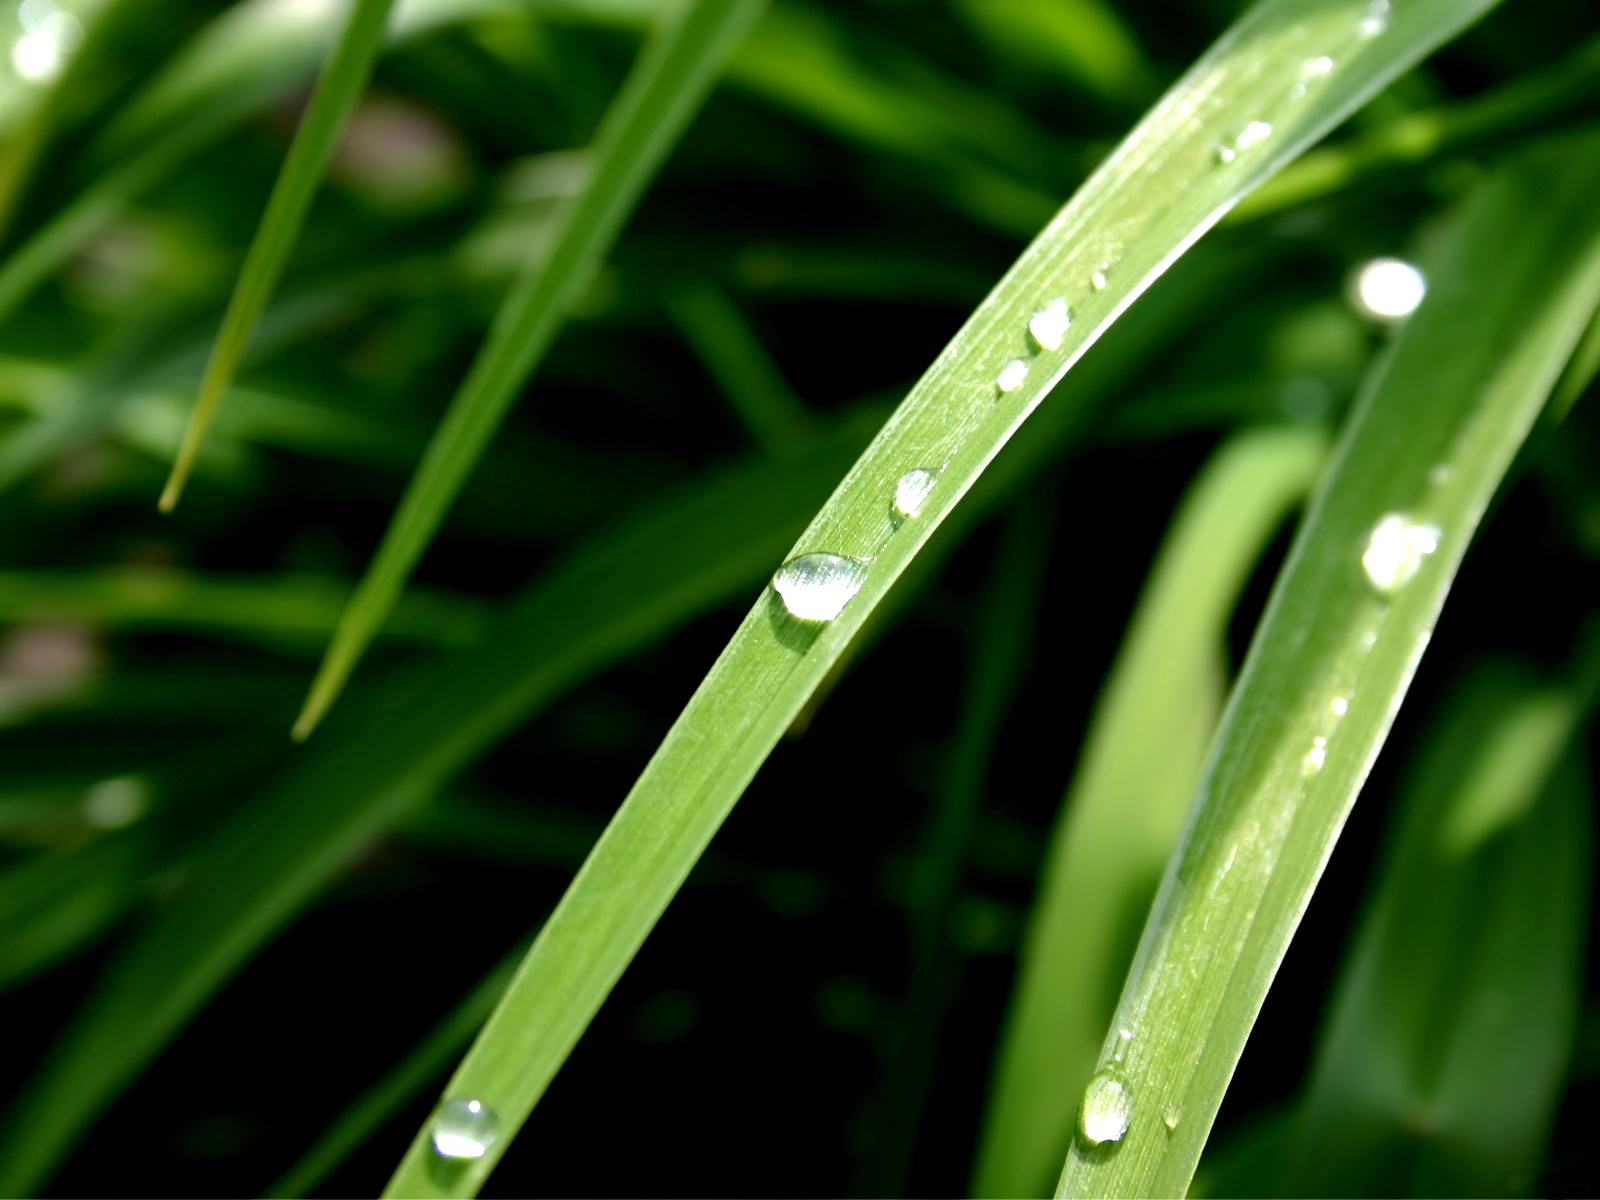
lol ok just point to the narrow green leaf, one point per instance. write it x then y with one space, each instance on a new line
1442 1062
1126 805
1249 105
1432 437
674 73
340 85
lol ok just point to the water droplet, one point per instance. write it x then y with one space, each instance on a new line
1011 375
115 803
1171 1117
912 490
1387 289
1106 1110
464 1129
1050 324
816 587
1375 21
1440 474
1119 1050
1098 279
1312 71
1340 706
1395 552
1256 131
1315 757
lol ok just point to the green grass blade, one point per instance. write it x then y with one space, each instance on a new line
1190 159
674 73
52 904
1432 438
1448 1035
340 85
1126 805
627 588
428 1059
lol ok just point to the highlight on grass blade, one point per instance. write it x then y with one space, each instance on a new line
336 92
671 78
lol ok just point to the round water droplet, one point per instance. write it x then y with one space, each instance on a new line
464 1129
1340 706
1050 324
1107 1108
1315 757
1387 289
1011 375
913 489
1375 20
816 587
1099 279
1396 550
1313 71
1256 131
1171 1117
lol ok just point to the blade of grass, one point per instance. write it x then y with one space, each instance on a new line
1191 158
1442 1061
673 75
341 83
1433 435
1126 805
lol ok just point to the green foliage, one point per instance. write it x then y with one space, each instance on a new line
716 246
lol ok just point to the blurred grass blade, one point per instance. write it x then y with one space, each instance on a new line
421 1065
1432 437
340 86
625 589
1248 106
1126 805
1449 1031
674 73
52 904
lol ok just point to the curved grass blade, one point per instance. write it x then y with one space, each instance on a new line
1432 437
1126 805
340 85
1242 111
673 75
624 590
1447 1039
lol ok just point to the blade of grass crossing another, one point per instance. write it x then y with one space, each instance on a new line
1126 805
337 90
1432 436
1196 154
673 75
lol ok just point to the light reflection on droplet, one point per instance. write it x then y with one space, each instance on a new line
1375 20
1012 375
1256 131
912 491
1107 1108
1396 550
1049 325
1315 757
816 587
1098 278
1388 289
464 1129
1340 706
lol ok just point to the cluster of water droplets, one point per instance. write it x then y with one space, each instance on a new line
463 1130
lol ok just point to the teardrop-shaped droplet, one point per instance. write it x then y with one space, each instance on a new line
1011 375
1098 278
464 1129
1396 550
1171 1117
1107 1108
816 587
1050 324
912 491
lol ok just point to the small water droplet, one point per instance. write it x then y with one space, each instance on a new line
1107 1108
913 489
1312 71
1050 324
1171 1117
464 1129
1256 131
1340 706
1440 474
1315 757
1395 552
1119 1049
1098 279
1011 375
1375 21
816 587
1387 289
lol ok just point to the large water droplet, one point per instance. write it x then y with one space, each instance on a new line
1375 20
1395 552
464 1129
913 489
1050 324
816 587
1011 375
1107 1108
1256 131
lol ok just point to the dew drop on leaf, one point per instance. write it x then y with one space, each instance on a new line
1395 552
464 1129
1107 1108
1011 375
912 491
1050 324
816 587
